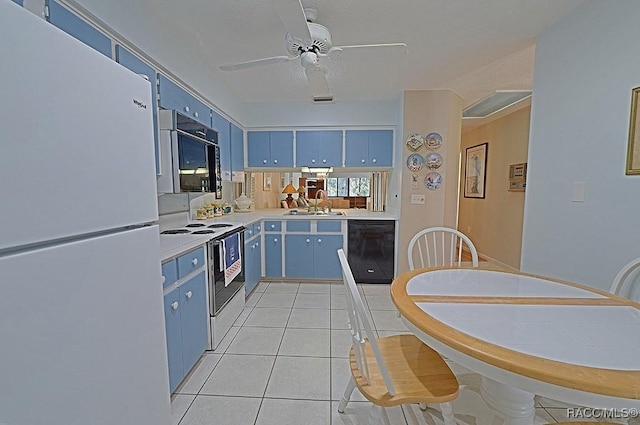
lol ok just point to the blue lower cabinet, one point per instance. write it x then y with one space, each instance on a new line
273 254
299 255
194 320
174 337
313 256
186 316
325 256
18 2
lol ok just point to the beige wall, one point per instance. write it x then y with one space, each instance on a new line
494 223
426 112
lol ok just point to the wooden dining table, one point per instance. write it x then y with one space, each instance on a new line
527 335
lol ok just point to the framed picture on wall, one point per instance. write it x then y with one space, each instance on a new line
633 150
475 171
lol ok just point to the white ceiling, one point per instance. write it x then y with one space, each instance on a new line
472 47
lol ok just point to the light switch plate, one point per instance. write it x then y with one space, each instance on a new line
578 192
417 199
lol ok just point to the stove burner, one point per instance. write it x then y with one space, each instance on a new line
202 232
195 225
219 225
175 232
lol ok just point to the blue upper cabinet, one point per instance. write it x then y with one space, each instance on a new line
133 63
76 27
237 153
369 148
223 127
270 148
319 148
173 96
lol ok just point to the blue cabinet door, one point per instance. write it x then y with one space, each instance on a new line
18 2
174 97
273 254
193 317
381 148
77 28
356 147
133 63
173 333
307 148
221 125
281 147
237 153
299 255
325 260
258 148
330 148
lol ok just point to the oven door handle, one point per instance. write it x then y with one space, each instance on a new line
223 253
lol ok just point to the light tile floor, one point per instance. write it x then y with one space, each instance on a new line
285 362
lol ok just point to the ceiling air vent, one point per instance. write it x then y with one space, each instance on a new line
322 99
496 102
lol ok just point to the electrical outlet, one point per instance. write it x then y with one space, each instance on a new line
418 199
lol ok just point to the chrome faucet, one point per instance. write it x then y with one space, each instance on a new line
324 195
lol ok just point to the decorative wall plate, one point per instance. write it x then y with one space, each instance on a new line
433 180
415 141
433 160
415 162
433 141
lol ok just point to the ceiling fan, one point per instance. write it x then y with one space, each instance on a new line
310 43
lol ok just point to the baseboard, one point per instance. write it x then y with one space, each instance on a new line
493 261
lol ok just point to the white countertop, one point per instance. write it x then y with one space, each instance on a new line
174 245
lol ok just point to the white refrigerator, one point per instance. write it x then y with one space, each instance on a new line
81 314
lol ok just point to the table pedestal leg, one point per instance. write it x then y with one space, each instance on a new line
510 405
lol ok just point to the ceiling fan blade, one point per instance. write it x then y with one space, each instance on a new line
317 81
292 16
256 63
338 52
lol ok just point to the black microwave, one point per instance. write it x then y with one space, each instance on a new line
195 155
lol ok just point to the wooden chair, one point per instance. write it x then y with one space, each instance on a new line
393 370
439 246
627 280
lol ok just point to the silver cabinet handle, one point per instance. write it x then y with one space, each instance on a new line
319 240
308 240
273 226
264 161
275 240
186 109
275 161
189 294
374 160
324 161
195 114
258 228
194 261
174 305
362 160
164 279
313 161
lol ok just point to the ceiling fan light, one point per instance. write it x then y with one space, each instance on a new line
308 59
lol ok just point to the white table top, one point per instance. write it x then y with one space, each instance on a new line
547 330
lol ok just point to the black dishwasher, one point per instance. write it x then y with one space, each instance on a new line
371 249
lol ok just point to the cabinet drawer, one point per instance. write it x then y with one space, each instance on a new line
272 226
298 226
169 273
190 261
331 226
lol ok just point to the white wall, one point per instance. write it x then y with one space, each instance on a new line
585 68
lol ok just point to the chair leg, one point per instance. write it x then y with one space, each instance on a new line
447 414
422 406
351 385
375 414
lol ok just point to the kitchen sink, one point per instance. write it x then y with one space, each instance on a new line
314 213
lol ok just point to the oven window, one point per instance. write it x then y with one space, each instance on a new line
193 165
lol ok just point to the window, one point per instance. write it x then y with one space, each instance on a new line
347 186
359 186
